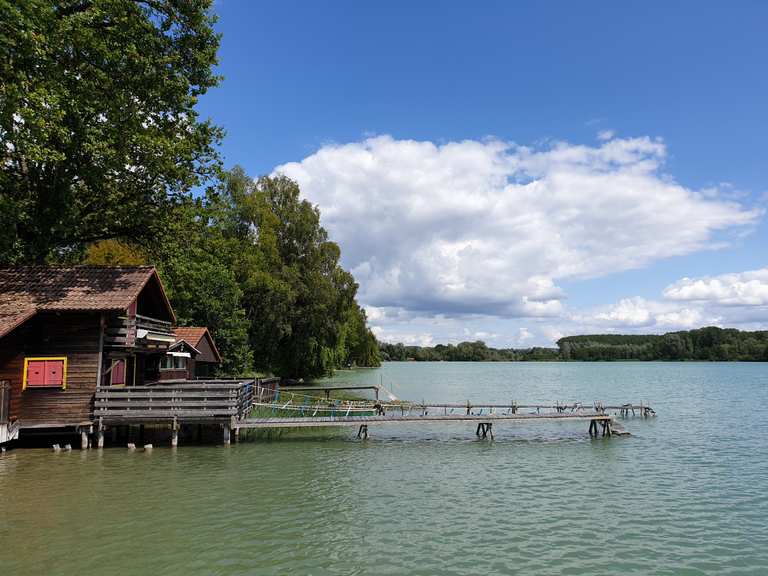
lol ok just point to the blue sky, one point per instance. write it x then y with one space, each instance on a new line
410 115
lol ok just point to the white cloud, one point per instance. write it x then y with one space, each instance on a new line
605 135
628 312
648 315
490 228
738 289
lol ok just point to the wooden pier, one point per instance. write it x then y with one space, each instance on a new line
260 404
484 421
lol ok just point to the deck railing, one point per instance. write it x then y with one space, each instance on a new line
122 330
182 401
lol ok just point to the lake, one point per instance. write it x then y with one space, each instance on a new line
686 494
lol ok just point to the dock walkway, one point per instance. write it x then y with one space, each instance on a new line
261 404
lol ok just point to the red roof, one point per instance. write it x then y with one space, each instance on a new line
192 336
25 290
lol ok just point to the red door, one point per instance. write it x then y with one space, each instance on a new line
118 373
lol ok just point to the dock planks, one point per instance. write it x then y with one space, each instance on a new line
324 421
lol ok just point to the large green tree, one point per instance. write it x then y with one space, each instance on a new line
300 302
98 130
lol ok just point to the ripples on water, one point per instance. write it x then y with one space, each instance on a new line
686 494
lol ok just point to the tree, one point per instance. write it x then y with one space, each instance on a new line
99 136
196 263
113 253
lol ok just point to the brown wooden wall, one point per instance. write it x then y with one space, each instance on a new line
206 352
187 374
74 335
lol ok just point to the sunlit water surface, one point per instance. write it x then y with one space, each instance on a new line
687 493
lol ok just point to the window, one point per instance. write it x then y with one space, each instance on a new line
45 373
169 362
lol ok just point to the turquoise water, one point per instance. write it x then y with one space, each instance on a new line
687 493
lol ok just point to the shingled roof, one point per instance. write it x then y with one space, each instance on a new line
192 336
25 290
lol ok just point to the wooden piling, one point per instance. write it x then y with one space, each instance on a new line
83 440
100 434
227 429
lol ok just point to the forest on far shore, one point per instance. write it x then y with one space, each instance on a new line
703 344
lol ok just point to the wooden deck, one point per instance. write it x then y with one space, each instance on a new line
323 421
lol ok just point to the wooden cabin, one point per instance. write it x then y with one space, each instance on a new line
193 356
64 331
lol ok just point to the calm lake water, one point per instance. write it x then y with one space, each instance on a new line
687 493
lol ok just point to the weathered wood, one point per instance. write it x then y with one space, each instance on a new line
323 421
198 401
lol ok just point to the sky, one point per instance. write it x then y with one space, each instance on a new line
516 172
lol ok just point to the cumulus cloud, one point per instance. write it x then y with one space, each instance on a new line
491 228
738 289
630 313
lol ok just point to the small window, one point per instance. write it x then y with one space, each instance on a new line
45 373
180 363
166 363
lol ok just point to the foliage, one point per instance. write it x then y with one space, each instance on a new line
300 302
251 261
465 352
113 253
709 343
98 131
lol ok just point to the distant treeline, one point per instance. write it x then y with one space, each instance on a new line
465 352
703 344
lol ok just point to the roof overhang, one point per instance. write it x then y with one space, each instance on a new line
142 334
13 321
180 354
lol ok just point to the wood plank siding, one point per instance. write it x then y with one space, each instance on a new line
70 334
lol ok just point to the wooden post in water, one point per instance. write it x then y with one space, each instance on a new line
174 433
100 435
227 429
83 440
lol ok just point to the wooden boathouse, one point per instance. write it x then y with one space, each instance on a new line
66 331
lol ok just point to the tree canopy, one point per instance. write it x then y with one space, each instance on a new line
99 135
